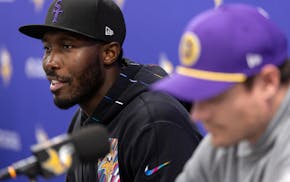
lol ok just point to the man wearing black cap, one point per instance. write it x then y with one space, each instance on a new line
150 133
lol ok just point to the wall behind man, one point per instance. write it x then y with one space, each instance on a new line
154 28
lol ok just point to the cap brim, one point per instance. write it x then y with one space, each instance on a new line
38 31
190 89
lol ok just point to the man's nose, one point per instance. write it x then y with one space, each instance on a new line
52 61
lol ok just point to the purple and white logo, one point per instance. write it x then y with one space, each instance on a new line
57 10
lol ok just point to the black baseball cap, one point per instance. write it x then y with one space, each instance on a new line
101 20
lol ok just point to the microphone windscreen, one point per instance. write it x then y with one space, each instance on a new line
91 142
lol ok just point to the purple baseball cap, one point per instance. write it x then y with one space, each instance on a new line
221 47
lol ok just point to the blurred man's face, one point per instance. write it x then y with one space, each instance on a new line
238 114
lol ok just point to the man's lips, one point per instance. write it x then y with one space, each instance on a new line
56 85
57 82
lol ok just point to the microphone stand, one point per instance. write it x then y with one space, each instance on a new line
30 171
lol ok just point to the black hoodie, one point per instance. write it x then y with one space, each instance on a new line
151 133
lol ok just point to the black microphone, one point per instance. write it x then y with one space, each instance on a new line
54 157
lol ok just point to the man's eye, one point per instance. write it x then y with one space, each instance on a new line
46 48
66 46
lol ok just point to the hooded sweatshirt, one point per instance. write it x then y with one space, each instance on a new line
151 134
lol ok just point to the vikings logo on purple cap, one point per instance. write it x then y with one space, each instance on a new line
189 49
221 47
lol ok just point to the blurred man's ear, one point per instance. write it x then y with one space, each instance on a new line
268 81
111 52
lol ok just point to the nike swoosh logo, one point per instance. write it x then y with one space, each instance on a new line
149 172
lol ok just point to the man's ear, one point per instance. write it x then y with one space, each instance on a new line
111 52
269 80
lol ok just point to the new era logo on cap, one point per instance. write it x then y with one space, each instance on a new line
109 31
254 60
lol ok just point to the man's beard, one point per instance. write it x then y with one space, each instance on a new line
89 84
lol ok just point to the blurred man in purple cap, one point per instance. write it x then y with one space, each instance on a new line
234 68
